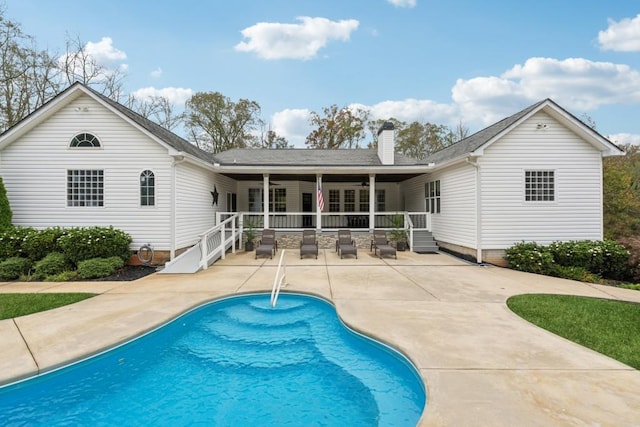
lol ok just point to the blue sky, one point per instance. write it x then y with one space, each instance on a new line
441 61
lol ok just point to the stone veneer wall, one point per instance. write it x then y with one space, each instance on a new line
326 240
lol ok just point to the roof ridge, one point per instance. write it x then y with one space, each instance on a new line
165 135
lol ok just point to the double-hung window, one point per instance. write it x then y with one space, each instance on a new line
364 200
277 200
334 200
432 196
381 203
349 200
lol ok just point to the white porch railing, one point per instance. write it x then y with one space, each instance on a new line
294 221
214 241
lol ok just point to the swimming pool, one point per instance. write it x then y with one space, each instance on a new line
234 361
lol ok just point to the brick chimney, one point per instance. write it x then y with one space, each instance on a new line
386 144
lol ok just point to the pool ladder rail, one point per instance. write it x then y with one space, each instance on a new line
279 280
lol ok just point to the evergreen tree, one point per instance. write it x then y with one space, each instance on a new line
5 209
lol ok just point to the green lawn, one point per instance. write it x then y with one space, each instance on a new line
15 305
609 327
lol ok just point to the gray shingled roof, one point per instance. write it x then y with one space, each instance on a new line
478 139
306 157
314 157
258 157
155 129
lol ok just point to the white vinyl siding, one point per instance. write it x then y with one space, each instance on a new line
576 212
195 211
456 223
34 170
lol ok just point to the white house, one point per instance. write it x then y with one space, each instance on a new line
83 159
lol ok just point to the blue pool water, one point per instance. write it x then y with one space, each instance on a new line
233 362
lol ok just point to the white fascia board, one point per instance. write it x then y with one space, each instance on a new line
38 116
602 144
322 170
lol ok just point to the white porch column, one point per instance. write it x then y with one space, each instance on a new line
265 199
372 201
318 210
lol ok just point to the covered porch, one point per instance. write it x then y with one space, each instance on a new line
325 202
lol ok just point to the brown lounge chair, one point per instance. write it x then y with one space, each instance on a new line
345 244
309 243
380 244
267 245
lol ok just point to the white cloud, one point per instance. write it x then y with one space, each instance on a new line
104 52
578 84
97 59
294 41
575 83
624 138
175 95
293 124
403 3
621 36
156 73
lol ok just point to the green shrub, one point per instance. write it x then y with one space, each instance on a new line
52 264
530 257
80 244
14 267
99 267
65 276
580 274
605 258
42 242
5 209
632 244
12 239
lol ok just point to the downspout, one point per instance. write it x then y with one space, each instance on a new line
478 211
174 216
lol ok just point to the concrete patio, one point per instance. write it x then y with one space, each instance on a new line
482 365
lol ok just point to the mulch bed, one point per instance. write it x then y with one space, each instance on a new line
128 273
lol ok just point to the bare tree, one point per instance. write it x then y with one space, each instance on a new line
27 75
270 139
460 132
78 65
156 108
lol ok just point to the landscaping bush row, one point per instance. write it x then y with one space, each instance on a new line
56 253
585 260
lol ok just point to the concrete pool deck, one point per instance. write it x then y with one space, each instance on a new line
482 365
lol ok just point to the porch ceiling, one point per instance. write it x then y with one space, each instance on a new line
393 177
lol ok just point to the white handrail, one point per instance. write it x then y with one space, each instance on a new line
278 281
215 238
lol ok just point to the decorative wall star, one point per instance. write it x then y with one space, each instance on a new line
214 194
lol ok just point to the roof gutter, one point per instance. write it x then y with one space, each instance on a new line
322 169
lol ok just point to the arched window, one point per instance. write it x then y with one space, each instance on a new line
147 188
85 140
